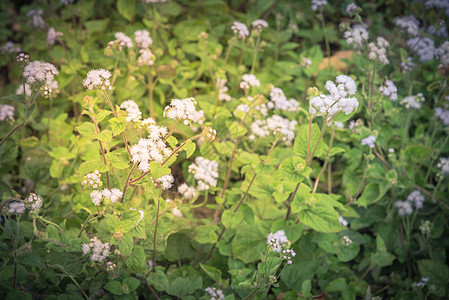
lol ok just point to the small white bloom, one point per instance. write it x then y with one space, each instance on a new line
6 112
369 141
16 208
98 79
143 39
39 72
187 192
240 29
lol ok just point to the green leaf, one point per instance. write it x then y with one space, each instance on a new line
302 140
126 8
206 234
293 169
102 113
136 262
172 141
189 147
320 216
306 287
13 97
271 267
131 282
438 274
119 159
370 194
125 245
231 219
158 171
87 129
248 244
212 272
159 281
114 287
418 153
104 136
236 130
336 150
116 126
92 165
96 26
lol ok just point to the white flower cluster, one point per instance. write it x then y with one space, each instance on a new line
34 202
409 24
442 53
113 194
149 149
9 47
249 80
358 35
121 40
181 109
413 101
285 127
242 107
424 47
316 4
28 90
443 115
369 141
198 117
141 212
175 211
210 133
214 293
52 34
338 99
166 181
277 240
23 58
6 112
205 172
408 65
143 39
259 24
379 50
134 113
36 18
188 192
259 128
287 254
306 62
97 249
405 208
389 90
351 8
416 198
146 58
16 208
93 179
279 101
342 221
98 79
443 165
39 72
223 89
346 240
240 29
422 282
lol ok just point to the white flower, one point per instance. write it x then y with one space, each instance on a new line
52 34
260 128
98 79
222 89
443 165
99 251
358 35
443 115
146 58
175 211
306 62
390 90
214 293
338 100
16 208
123 40
240 29
28 90
407 65
342 221
133 111
404 207
166 181
36 18
442 53
285 127
205 172
34 202
279 101
416 198
249 80
424 47
316 4
116 194
6 112
259 24
9 47
346 240
93 179
351 8
143 39
287 254
96 196
187 192
422 282
181 109
141 212
369 141
379 50
413 101
277 240
409 24
39 72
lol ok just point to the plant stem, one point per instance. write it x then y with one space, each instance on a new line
325 161
11 132
116 116
326 39
155 233
172 129
256 49
102 151
127 182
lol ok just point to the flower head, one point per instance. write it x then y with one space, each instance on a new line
240 29
34 202
39 72
98 79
